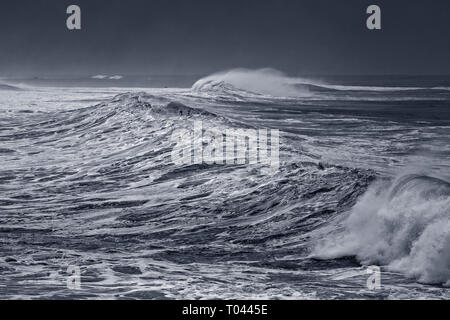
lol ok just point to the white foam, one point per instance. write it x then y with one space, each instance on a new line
405 227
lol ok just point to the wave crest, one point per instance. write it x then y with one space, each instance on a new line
265 81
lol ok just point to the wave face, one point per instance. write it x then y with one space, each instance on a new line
88 180
405 227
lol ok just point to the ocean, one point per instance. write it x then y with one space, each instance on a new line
88 183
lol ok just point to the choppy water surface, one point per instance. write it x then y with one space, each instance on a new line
87 179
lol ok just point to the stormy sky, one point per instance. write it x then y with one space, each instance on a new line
195 37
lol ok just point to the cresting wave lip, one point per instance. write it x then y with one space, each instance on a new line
154 104
405 227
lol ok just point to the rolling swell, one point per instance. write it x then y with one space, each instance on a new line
98 189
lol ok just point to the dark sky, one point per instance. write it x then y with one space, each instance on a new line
165 37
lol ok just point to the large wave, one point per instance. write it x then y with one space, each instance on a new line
243 82
265 81
405 227
115 182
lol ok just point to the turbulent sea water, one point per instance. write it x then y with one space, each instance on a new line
87 180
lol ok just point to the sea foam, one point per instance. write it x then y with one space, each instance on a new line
405 227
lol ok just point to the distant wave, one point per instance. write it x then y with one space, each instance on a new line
405 227
441 88
378 88
99 77
262 81
4 86
106 77
271 82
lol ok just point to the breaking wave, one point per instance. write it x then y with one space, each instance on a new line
405 227
262 81
243 82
